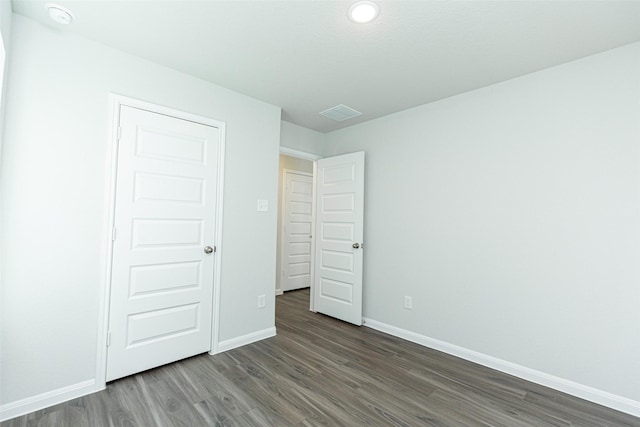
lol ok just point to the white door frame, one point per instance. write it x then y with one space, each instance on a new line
299 154
314 158
314 204
116 101
283 234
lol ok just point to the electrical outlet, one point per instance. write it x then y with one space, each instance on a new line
261 301
408 303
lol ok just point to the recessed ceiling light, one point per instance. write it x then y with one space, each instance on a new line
363 11
59 14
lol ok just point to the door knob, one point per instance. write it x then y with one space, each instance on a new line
208 250
355 245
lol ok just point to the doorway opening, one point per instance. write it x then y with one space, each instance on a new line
321 225
295 223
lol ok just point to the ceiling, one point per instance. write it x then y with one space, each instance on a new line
306 56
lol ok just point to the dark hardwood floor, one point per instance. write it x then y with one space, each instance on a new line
320 371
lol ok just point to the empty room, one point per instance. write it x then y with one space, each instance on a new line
309 212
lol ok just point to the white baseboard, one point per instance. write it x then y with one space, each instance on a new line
44 400
246 339
279 292
591 394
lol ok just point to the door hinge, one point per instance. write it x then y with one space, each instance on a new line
113 234
108 339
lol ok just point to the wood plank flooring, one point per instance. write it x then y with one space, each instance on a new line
320 371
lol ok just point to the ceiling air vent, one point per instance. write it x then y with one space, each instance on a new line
340 113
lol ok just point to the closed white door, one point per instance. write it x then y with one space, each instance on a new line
163 260
297 230
339 236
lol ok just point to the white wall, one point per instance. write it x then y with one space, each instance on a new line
5 37
292 164
54 174
302 139
511 215
5 20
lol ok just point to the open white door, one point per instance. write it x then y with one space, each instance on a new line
339 235
296 230
163 255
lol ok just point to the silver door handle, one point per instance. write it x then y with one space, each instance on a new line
355 245
208 250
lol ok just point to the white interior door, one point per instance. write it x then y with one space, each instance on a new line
162 269
297 230
338 237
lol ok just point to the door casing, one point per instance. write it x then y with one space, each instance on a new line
116 101
314 158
